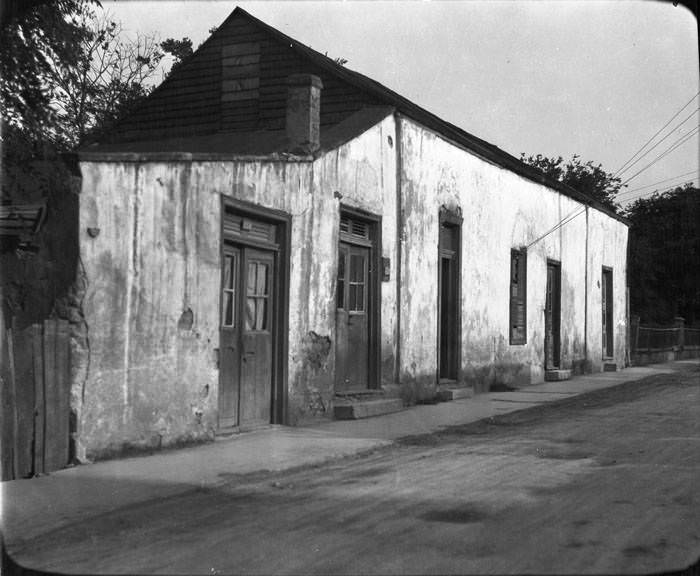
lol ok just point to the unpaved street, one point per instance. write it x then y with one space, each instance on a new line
602 483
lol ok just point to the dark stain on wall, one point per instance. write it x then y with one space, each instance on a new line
314 381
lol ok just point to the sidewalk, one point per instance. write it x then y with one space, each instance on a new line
31 507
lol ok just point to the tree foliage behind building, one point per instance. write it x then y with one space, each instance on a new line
588 178
664 256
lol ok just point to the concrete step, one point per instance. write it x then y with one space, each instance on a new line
609 367
345 410
454 393
557 375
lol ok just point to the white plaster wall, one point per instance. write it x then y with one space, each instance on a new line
501 211
152 379
610 239
362 174
158 255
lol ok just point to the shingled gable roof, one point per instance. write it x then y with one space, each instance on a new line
403 106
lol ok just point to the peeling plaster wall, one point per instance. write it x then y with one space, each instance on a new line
610 239
150 249
150 241
362 175
501 211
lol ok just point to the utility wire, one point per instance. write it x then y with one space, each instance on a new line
659 182
665 153
651 193
637 191
561 223
621 172
657 133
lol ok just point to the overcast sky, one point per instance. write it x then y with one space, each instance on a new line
594 78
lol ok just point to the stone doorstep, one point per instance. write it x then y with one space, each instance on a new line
609 367
557 375
447 394
366 408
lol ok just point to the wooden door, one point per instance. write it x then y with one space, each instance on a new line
352 318
552 317
230 353
607 304
246 337
256 350
449 301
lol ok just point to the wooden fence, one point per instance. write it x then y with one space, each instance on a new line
35 392
659 342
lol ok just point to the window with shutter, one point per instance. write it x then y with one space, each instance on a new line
518 291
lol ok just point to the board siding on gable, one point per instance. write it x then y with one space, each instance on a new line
236 81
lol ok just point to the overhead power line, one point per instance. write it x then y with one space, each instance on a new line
640 190
659 142
682 140
558 225
650 193
659 182
656 134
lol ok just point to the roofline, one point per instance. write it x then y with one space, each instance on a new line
410 109
97 156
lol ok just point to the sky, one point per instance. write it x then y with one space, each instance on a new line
557 77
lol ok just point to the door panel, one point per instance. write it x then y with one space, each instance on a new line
352 323
246 336
607 302
448 315
449 304
552 318
230 338
256 359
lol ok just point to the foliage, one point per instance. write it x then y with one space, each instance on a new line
664 275
67 74
178 49
32 41
588 178
110 77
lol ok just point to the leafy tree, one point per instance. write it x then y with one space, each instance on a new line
664 275
587 178
110 77
178 49
33 39
66 75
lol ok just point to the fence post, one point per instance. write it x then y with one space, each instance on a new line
680 326
635 333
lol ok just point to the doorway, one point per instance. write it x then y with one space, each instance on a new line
607 303
253 304
449 303
357 303
552 317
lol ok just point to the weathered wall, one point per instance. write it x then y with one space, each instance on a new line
501 211
150 242
609 237
362 175
150 249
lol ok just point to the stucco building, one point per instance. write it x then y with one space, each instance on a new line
271 235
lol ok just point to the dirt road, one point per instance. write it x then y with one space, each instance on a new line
606 482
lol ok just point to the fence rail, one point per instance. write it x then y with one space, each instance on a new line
664 338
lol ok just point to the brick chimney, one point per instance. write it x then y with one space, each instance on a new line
303 113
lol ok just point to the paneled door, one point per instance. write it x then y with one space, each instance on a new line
352 322
246 336
607 302
552 317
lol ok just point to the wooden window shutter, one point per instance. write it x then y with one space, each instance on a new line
518 296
